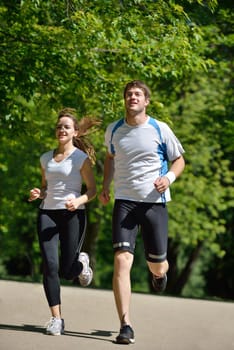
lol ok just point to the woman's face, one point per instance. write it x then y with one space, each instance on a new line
65 130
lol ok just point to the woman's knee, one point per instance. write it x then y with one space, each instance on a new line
51 268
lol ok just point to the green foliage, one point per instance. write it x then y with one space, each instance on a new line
80 54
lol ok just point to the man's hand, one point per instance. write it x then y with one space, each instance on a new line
161 184
104 196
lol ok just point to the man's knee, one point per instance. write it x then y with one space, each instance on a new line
123 260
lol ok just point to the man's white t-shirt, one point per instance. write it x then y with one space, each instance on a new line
141 154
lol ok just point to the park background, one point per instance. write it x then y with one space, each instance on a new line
80 54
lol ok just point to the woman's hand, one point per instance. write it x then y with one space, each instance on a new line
35 193
72 204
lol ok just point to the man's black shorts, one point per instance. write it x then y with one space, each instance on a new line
151 219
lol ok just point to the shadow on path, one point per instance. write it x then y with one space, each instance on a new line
96 334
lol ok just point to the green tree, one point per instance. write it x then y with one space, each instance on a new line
81 54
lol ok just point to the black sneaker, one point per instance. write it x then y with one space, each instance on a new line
126 335
159 284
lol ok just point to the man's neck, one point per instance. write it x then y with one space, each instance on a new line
136 119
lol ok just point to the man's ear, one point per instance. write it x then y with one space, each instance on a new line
147 101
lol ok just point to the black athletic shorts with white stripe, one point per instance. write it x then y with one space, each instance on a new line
151 219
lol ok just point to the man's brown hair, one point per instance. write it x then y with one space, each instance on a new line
139 84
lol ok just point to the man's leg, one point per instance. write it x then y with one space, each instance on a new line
124 228
122 285
122 291
155 236
159 271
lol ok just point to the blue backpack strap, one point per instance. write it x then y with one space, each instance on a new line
117 125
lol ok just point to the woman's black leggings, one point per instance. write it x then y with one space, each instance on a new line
68 228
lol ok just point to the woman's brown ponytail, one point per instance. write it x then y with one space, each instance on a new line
81 141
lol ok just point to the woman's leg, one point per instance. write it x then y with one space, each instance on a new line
48 239
72 233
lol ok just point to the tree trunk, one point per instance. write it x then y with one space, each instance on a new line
185 274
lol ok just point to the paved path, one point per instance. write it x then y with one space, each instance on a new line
160 323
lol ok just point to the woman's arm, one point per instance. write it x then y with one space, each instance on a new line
36 193
89 180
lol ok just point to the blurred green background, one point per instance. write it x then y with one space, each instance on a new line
80 54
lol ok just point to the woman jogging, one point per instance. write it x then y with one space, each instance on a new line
61 217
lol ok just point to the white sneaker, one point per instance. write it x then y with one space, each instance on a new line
86 274
55 326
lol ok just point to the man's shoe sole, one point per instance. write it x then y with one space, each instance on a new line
125 341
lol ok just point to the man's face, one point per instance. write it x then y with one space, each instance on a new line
135 101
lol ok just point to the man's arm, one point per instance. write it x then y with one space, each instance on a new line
177 166
104 196
176 169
